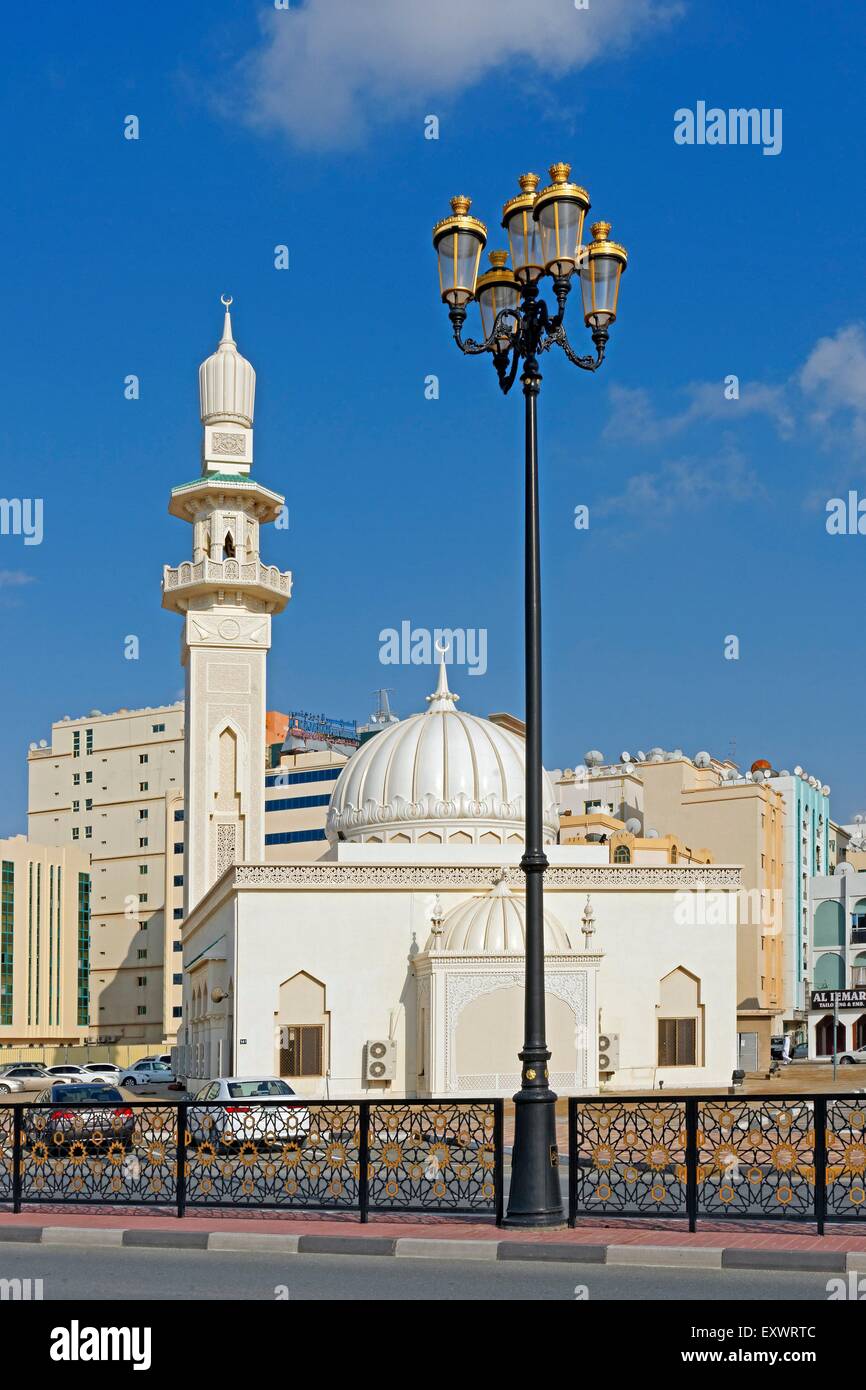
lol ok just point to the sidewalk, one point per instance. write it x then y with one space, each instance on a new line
723 1246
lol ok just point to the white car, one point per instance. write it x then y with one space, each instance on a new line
847 1058
147 1073
110 1070
70 1073
252 1110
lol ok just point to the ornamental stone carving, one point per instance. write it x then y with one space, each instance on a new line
576 877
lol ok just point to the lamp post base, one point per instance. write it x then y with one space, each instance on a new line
535 1198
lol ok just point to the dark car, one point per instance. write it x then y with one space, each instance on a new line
94 1115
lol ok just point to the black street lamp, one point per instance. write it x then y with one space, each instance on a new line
545 233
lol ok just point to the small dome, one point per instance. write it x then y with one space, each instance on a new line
495 922
441 776
227 381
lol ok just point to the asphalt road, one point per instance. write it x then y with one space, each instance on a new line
132 1274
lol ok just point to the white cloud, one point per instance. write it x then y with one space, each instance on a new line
634 417
687 483
327 73
13 579
833 379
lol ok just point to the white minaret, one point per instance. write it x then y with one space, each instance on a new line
226 596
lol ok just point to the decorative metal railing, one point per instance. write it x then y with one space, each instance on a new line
360 1156
744 1157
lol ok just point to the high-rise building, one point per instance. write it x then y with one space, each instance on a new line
45 894
111 785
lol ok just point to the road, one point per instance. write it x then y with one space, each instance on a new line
133 1274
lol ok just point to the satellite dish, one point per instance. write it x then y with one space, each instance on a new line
652 834
629 767
729 774
633 825
43 743
569 774
625 757
858 819
783 773
32 746
641 756
798 771
702 759
842 869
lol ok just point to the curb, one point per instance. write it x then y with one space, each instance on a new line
414 1247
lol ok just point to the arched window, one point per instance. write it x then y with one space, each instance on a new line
229 546
829 928
829 971
673 854
622 855
824 1037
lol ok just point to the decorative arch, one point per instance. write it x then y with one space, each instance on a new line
824 1037
829 924
622 855
829 971
681 1019
304 1027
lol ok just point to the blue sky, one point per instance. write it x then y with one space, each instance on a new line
305 127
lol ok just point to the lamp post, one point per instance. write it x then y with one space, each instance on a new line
545 236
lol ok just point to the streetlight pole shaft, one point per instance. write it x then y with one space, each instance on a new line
534 1197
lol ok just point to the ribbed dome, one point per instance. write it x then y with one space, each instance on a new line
227 382
495 922
439 776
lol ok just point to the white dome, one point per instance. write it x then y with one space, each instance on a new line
441 776
495 922
227 382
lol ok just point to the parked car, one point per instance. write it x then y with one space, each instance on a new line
107 1069
31 1076
67 1117
253 1109
68 1071
147 1072
10 1085
800 1053
848 1058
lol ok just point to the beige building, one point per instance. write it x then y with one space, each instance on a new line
44 942
111 785
707 803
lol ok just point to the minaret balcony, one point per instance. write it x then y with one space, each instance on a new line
251 577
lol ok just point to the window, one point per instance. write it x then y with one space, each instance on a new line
677 1042
88 735
142 955
294 837
142 897
75 832
143 758
296 803
142 844
178 815
88 776
590 806
142 981
178 914
291 779
177 1011
76 743
142 814
142 786
76 779
142 868
178 849
76 807
88 832
88 805
177 945
157 728
177 979
674 855
7 920
178 880
142 1009
301 1050
622 855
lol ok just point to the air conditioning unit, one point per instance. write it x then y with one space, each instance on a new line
380 1059
608 1051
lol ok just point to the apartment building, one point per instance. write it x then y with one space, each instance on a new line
44 943
836 909
111 785
706 807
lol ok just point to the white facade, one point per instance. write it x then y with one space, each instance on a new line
837 953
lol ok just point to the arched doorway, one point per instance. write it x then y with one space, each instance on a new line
859 1031
824 1037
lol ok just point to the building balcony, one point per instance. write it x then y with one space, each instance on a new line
858 936
272 585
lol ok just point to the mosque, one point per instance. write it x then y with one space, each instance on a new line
394 964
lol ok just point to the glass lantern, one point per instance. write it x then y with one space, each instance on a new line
522 229
601 265
559 211
498 289
458 241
